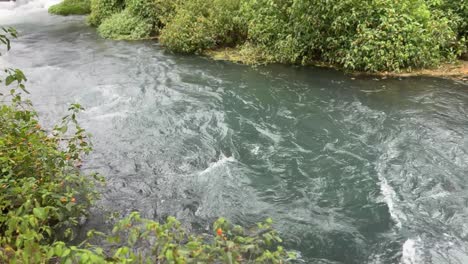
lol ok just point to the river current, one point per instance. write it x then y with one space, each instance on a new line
352 170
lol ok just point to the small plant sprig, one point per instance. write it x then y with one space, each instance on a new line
6 34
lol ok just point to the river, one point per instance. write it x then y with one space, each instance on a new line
352 170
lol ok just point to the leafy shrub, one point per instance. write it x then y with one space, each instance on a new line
138 240
150 9
143 8
42 189
125 26
189 31
155 11
271 31
130 19
456 13
199 25
458 9
102 9
401 38
373 35
71 7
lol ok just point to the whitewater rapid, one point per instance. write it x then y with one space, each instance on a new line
13 12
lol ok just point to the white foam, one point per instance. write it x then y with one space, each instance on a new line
255 150
121 114
389 195
390 198
411 253
331 147
223 160
15 11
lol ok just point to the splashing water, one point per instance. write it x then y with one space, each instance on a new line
13 12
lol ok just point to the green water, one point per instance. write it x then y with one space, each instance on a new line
352 170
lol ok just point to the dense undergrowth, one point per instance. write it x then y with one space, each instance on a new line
377 35
71 7
44 195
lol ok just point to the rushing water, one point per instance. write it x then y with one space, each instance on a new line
352 170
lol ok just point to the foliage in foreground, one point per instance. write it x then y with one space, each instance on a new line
147 241
377 35
42 191
43 195
71 7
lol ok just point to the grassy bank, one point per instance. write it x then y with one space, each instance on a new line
457 69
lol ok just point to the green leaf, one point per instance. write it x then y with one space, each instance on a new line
292 255
66 252
132 239
9 79
40 213
169 255
58 249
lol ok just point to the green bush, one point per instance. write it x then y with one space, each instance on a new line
125 26
189 31
42 191
400 37
155 11
137 240
144 8
372 36
271 31
130 19
71 7
456 13
199 25
102 9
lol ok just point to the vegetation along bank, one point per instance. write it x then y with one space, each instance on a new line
368 36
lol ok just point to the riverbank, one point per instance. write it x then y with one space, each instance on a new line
457 70
394 37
